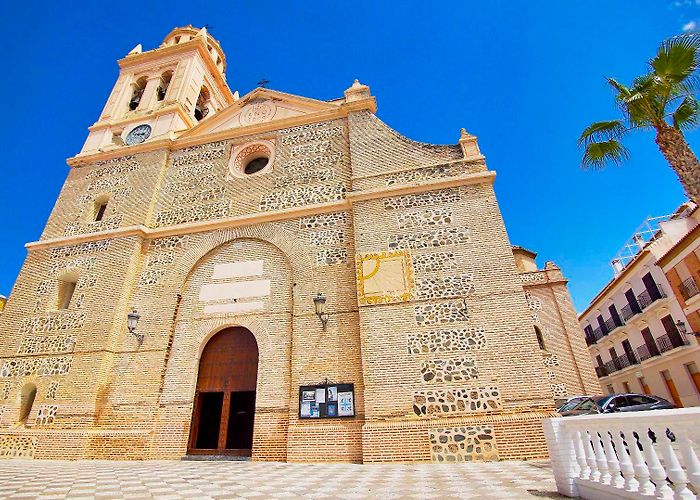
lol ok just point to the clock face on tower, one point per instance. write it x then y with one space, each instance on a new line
138 134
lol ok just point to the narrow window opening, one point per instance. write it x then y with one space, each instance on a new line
139 87
540 339
100 209
201 109
27 397
66 289
164 84
177 39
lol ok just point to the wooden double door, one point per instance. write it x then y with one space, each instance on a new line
224 403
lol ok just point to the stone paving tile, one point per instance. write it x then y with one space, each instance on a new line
171 480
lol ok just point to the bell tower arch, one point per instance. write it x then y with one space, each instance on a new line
158 92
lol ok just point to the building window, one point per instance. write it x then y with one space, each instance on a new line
100 208
611 389
137 94
164 84
27 397
201 109
626 386
540 338
66 289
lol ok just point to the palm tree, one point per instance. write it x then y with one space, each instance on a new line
662 100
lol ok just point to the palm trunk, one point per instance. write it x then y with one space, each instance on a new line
681 158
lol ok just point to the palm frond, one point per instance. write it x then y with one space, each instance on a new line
622 91
598 154
687 114
600 131
677 58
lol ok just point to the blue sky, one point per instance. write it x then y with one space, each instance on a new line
524 77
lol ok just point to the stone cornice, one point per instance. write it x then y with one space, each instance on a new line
265 217
369 104
141 117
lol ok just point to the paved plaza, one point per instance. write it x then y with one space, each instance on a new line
30 479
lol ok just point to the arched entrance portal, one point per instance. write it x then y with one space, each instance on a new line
224 403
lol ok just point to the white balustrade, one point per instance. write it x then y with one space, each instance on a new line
627 454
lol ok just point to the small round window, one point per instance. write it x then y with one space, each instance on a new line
255 158
255 165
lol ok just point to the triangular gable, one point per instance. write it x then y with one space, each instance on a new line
259 106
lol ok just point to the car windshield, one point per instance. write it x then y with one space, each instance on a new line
572 403
591 403
601 400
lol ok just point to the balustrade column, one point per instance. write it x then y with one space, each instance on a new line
690 460
626 466
585 470
600 459
613 463
590 457
656 470
674 471
641 471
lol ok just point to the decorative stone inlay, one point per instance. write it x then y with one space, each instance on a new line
331 256
463 339
433 262
551 360
384 277
532 277
300 165
189 184
326 238
51 391
427 217
81 263
86 281
161 258
204 195
559 390
151 277
304 195
324 220
193 213
195 170
430 198
313 148
534 303
427 173
202 153
114 166
258 111
52 344
42 367
169 243
80 249
106 184
441 312
54 321
463 444
46 414
319 132
440 371
457 285
74 228
6 389
436 402
437 238
2 412
46 287
17 446
321 175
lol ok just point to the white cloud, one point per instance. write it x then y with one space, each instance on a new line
691 26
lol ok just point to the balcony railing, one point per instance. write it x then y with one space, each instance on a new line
644 353
689 288
645 299
616 364
668 342
627 312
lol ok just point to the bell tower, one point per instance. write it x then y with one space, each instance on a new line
162 91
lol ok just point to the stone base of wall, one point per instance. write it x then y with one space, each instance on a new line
490 437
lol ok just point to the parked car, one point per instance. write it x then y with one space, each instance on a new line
568 403
613 403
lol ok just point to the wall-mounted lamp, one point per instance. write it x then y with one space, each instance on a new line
320 306
132 321
681 327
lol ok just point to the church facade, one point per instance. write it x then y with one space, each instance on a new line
277 277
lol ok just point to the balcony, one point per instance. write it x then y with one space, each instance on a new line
608 326
689 288
644 352
668 342
646 299
628 311
616 364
